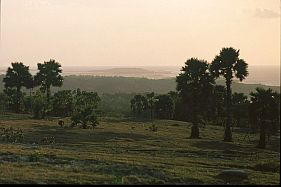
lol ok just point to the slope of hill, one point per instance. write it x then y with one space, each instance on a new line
113 85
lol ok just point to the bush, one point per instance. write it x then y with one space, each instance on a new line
62 103
85 104
14 101
40 105
153 128
84 116
11 135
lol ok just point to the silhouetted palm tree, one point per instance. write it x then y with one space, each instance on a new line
17 77
264 102
49 75
195 82
228 64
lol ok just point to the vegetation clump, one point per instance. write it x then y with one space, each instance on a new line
85 105
11 135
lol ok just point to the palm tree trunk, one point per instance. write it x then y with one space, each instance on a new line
262 136
228 133
195 131
195 127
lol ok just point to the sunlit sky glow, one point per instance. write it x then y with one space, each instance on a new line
138 32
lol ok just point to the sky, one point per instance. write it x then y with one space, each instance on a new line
138 32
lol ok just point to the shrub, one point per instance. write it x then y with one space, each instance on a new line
40 106
11 135
62 103
84 116
85 104
153 128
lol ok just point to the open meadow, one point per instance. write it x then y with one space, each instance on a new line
126 151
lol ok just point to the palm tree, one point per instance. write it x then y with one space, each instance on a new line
195 82
265 103
49 75
228 64
17 77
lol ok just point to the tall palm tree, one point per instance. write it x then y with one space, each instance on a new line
228 65
195 82
49 75
17 77
265 103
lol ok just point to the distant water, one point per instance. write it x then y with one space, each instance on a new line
267 75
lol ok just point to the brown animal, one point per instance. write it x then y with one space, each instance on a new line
61 123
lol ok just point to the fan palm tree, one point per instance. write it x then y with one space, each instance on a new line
195 82
17 77
49 75
228 64
265 103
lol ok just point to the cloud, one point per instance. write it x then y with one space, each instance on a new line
266 13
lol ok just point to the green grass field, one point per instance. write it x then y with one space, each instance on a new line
124 151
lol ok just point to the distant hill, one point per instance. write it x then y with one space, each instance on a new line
113 85
123 70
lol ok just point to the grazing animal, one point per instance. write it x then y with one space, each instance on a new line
61 123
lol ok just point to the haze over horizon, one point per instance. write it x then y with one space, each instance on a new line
138 32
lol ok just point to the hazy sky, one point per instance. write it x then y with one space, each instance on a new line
138 32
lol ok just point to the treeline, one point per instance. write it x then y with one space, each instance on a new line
128 85
199 100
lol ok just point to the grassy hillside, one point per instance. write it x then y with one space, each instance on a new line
113 85
116 153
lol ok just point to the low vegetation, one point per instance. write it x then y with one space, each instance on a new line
116 153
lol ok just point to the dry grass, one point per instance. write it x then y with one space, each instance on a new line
116 153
